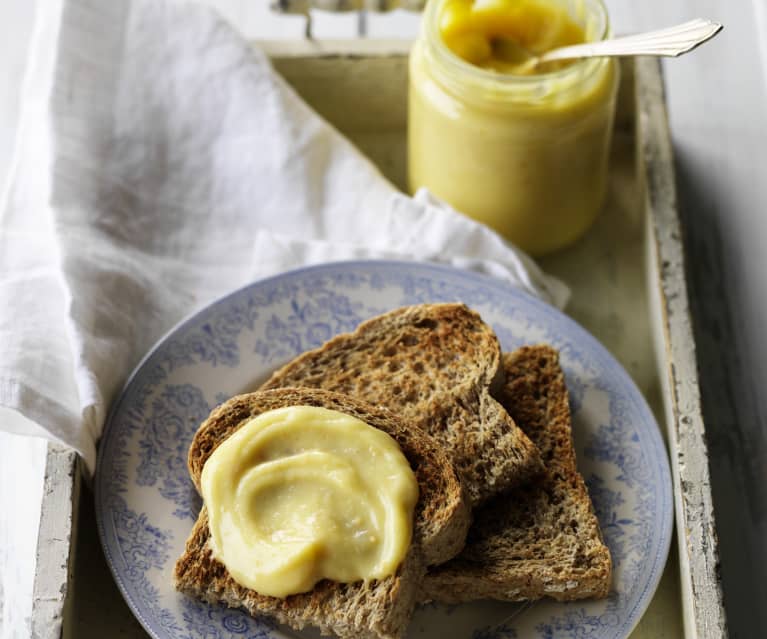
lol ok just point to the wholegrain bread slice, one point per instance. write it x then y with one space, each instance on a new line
542 539
436 365
379 609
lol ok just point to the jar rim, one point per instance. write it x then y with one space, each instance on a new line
506 82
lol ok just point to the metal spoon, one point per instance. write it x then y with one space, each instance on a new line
670 42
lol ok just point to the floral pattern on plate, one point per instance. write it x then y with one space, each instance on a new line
146 503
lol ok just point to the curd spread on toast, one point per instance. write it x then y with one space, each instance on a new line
302 493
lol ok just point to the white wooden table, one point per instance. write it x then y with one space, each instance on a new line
718 106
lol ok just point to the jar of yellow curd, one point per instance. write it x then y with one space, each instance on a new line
525 153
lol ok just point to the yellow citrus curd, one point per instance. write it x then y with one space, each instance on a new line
302 493
525 153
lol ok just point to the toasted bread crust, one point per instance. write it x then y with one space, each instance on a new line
435 365
379 609
542 539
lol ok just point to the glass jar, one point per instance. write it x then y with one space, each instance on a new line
527 155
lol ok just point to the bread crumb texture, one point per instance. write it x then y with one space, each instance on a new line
541 539
435 365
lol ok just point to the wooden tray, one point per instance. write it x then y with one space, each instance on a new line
629 290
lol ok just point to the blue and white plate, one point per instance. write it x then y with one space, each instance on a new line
146 504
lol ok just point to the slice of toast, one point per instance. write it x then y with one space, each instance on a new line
542 539
435 365
379 609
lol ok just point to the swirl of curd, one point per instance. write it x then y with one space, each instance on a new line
302 493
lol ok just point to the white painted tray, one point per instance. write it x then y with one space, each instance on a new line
629 288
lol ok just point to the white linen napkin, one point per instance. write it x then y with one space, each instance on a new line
162 163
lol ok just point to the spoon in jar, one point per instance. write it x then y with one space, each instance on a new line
669 42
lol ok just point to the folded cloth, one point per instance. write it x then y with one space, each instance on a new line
162 163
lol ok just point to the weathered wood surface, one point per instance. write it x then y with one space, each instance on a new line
696 524
56 544
718 110
22 467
